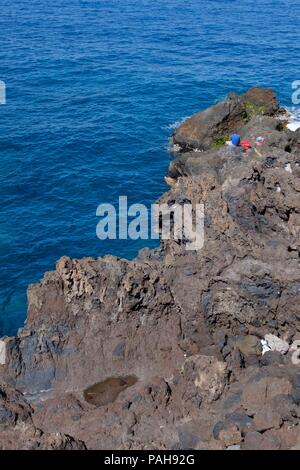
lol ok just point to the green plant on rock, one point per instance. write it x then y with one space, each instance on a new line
251 110
282 125
220 141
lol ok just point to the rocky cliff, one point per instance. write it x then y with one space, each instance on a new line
176 349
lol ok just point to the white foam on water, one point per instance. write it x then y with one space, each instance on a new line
294 118
176 124
174 148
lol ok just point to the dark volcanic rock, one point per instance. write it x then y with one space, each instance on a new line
264 98
200 130
17 429
13 407
215 124
187 325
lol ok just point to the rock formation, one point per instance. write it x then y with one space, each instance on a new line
171 343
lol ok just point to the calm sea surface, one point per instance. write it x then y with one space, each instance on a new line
94 89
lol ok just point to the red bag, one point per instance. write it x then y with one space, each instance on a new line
246 144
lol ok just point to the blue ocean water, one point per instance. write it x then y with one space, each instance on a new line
93 88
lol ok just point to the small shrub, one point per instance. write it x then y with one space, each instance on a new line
220 141
282 125
252 110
